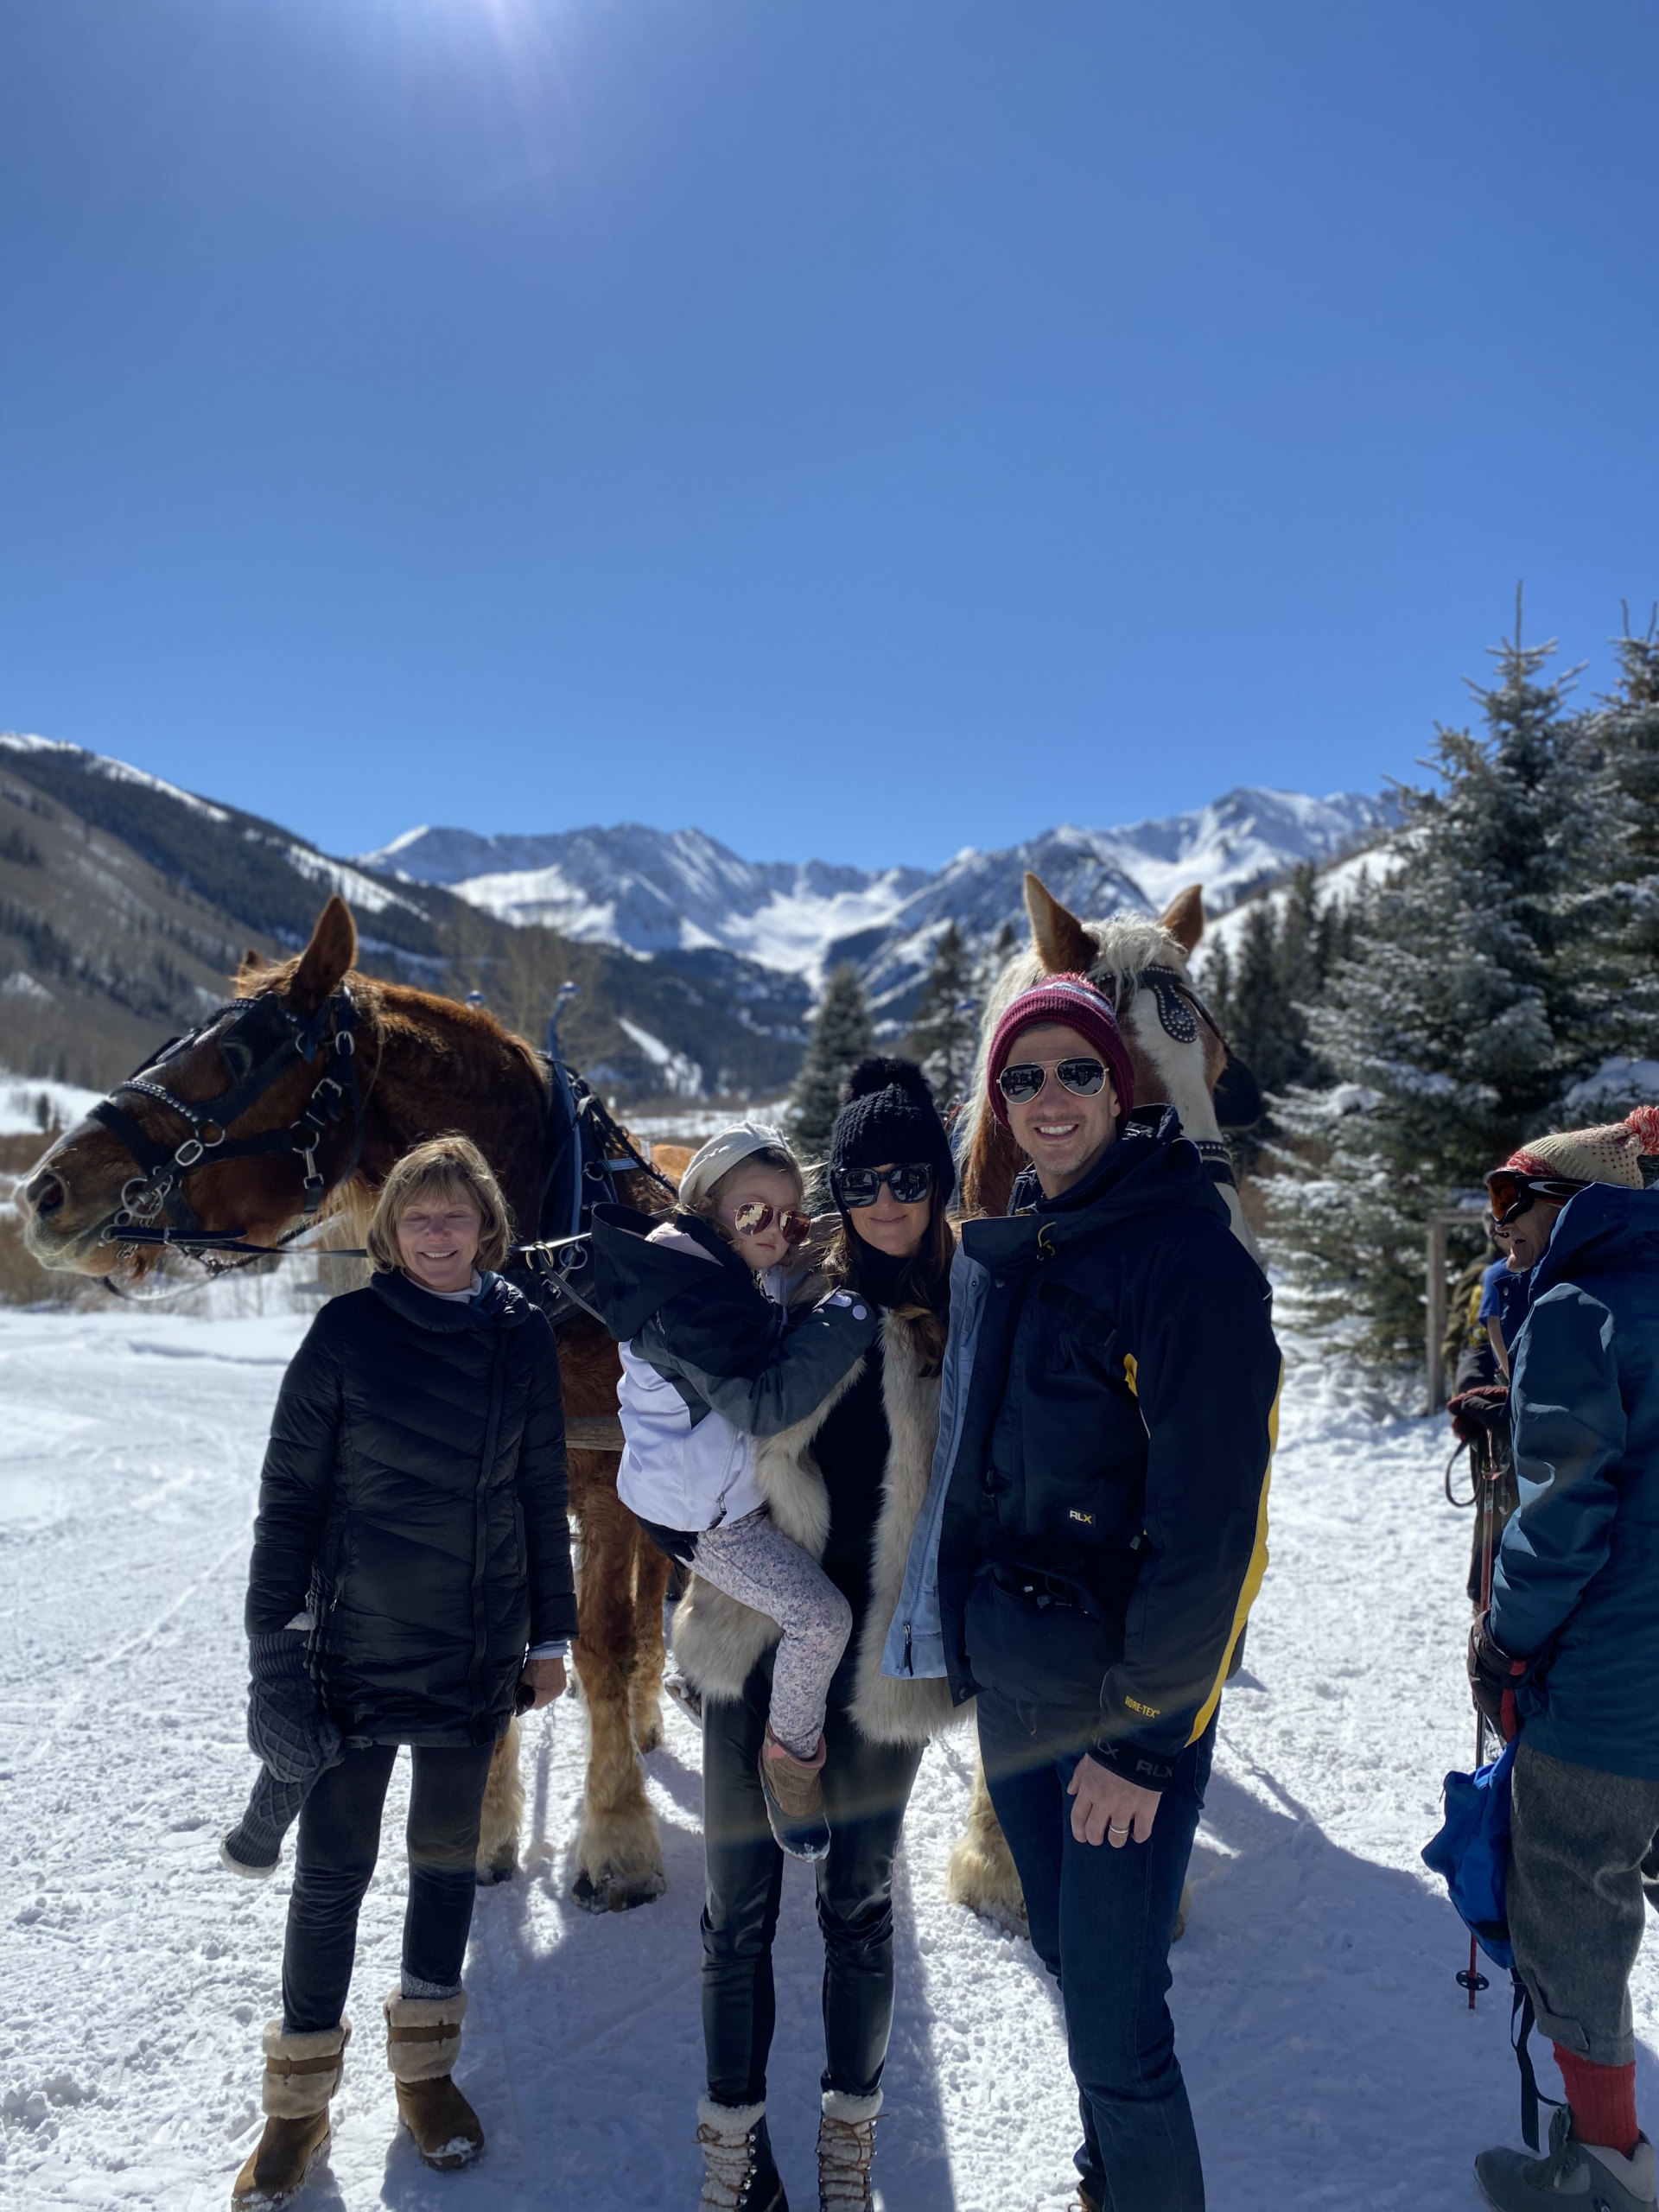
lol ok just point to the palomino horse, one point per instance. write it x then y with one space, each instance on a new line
294 1102
1178 1055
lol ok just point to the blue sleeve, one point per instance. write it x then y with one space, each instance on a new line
1493 1300
1569 1433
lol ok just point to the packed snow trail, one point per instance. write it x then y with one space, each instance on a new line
1331 2061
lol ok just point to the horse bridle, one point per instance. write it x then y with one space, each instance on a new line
1180 1011
262 1040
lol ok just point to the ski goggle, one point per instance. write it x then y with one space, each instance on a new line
754 1219
862 1186
1025 1079
1512 1192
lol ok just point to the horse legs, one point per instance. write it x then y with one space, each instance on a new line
503 1815
645 1684
619 1849
981 1873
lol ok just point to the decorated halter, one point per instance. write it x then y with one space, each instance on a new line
263 1040
1179 1012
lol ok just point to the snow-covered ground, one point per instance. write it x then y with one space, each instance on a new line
1332 2060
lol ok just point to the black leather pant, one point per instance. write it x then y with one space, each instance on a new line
866 1788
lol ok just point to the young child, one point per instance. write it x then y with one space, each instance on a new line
712 1365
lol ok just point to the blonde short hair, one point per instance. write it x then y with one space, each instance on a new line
449 1167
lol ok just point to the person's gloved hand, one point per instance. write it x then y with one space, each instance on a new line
1478 1412
1493 1675
286 1727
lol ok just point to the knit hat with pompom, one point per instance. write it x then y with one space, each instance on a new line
887 1118
1610 1155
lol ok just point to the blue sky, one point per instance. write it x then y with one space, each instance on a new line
856 427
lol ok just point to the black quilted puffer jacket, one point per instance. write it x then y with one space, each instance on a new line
413 1500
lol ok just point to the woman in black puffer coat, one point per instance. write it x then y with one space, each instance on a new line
410 1584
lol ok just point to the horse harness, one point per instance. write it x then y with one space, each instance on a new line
264 1037
1180 1011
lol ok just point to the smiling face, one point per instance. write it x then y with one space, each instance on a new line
766 1186
894 1229
1062 1135
437 1239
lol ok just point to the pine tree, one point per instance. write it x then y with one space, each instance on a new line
1624 733
944 1031
842 1035
1472 999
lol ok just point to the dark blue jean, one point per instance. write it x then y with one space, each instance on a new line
1102 1921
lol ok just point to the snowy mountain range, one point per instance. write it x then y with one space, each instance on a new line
654 892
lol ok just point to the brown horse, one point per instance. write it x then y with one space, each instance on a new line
418 1065
1178 1055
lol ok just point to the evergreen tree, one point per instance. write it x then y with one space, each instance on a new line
842 1035
944 1031
1472 1000
1624 733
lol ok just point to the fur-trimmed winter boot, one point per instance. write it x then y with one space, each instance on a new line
1581 2174
739 2171
423 2043
301 2074
846 2152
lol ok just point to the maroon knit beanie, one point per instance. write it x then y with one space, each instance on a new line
1074 1001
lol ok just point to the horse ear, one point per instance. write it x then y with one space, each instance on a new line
1060 939
249 970
326 959
1183 917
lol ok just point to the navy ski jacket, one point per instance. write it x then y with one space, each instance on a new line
1576 1587
1098 1505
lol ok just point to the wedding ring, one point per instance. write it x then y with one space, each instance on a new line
1118 1827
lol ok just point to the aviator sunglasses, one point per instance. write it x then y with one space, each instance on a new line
754 1219
862 1186
1084 1078
1512 1193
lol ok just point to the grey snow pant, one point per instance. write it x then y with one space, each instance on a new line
1581 1853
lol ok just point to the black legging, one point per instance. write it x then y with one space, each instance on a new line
865 1787
338 1843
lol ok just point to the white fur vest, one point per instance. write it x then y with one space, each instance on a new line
718 1641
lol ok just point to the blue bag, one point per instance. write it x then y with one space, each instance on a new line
1471 1852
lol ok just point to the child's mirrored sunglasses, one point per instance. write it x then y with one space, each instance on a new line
1025 1079
862 1186
1512 1193
754 1219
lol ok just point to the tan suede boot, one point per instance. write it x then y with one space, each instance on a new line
301 2074
423 2043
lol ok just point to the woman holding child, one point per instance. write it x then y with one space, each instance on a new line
784 1454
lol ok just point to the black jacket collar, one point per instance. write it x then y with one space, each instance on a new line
498 1305
1150 1168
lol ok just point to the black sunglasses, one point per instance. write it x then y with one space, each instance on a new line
862 1186
1025 1079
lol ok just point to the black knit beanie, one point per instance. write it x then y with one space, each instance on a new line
888 1117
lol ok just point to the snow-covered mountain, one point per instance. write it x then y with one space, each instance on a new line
658 891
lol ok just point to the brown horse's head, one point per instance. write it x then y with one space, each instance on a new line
1177 1059
73 1198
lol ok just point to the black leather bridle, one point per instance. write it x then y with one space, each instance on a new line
262 1041
1179 1012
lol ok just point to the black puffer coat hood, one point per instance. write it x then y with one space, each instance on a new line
413 1499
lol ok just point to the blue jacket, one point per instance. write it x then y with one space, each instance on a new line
1094 1529
1576 1587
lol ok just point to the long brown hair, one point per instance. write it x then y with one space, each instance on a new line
924 1298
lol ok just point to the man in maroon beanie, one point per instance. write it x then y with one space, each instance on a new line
1100 1502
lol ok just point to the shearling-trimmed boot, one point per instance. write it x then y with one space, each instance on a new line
301 2074
1573 2173
846 2151
423 2043
739 2171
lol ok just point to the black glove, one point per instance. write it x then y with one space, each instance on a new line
1480 1412
286 1727
1493 1675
